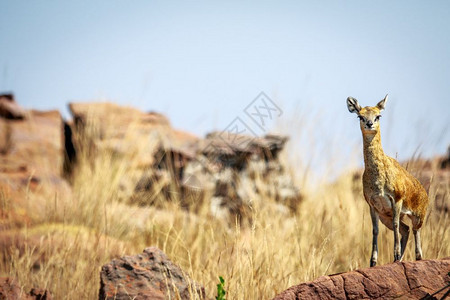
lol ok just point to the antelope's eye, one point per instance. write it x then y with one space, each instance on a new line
361 118
377 118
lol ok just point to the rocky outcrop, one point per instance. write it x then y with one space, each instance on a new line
145 140
150 275
402 280
123 130
10 289
232 172
31 159
240 172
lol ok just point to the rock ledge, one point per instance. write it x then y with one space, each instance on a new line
402 280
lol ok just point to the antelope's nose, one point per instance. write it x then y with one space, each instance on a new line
369 124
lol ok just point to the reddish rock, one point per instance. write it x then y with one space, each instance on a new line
403 280
115 121
40 294
122 129
150 275
9 108
145 142
35 143
31 162
10 289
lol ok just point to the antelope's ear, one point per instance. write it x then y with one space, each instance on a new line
353 105
382 103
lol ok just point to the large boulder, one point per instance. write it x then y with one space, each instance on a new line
121 129
401 280
231 172
241 172
35 143
150 275
145 141
31 161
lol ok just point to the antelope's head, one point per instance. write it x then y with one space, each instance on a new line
368 116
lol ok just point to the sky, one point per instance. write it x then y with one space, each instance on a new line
202 63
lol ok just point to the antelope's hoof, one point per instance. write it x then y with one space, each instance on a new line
373 263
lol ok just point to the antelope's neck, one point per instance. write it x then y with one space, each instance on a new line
373 152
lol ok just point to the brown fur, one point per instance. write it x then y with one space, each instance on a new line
389 189
384 175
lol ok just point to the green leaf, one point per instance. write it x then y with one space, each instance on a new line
221 289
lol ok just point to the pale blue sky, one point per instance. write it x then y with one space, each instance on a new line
202 62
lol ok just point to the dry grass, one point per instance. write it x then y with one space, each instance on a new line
330 233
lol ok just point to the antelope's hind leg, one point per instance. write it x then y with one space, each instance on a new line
416 224
403 231
396 212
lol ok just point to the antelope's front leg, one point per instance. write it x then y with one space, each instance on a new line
396 209
375 218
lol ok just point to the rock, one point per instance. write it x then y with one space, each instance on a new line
35 143
402 280
234 150
104 121
40 294
244 171
114 121
31 164
69 147
150 275
445 161
9 109
143 141
10 289
168 165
